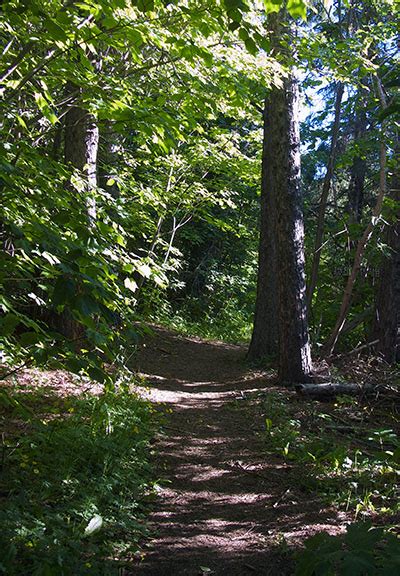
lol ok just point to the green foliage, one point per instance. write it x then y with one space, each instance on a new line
72 285
175 90
360 551
74 486
337 460
230 324
57 269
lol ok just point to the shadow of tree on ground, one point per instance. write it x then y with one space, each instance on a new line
226 505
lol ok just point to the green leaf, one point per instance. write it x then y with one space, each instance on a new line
268 423
29 338
22 122
251 46
75 364
136 37
64 291
362 537
357 565
97 374
56 32
235 15
297 8
236 5
272 5
145 5
392 110
233 25
396 455
87 305
243 34
8 324
40 100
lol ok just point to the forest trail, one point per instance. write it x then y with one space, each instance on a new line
226 506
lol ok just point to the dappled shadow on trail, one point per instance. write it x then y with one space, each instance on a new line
225 505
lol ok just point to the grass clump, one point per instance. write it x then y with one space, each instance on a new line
73 484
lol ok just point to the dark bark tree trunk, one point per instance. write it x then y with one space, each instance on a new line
264 340
294 345
356 189
57 142
387 313
284 237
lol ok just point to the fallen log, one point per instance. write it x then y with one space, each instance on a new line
332 389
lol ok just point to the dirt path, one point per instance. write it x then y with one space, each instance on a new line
228 507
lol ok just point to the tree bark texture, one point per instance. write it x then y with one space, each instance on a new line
281 290
108 159
387 313
356 189
284 141
81 141
359 166
264 340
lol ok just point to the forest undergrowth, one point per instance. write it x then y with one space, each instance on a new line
76 481
75 475
349 446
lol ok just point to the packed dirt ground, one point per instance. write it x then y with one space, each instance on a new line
225 506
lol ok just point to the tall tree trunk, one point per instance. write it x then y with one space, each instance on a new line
56 153
284 139
80 149
387 314
356 189
281 288
326 186
264 340
81 140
